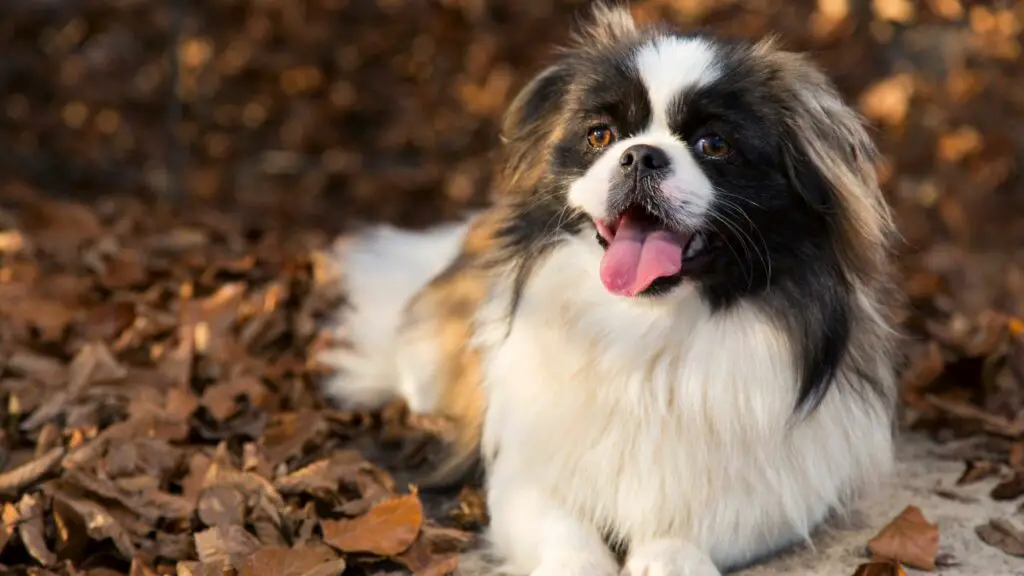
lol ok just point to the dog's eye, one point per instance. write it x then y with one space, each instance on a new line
600 136
713 147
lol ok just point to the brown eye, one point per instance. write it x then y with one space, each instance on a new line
713 147
600 136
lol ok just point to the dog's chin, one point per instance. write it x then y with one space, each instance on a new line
694 246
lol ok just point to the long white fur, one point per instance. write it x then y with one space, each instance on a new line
381 270
655 420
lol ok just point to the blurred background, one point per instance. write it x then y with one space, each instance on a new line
321 111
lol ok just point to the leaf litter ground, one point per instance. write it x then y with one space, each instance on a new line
161 412
159 406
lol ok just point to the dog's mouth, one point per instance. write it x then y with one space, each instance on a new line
643 254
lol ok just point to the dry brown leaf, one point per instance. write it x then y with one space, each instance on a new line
1011 488
388 529
79 515
13 481
1004 535
976 470
193 482
909 539
278 561
992 423
43 369
31 530
323 476
228 545
181 404
93 363
434 553
221 506
288 432
219 399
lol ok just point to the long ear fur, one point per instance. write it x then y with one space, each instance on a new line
832 162
832 136
530 126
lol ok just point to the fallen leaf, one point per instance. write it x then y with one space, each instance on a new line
977 470
1004 535
31 530
221 506
288 432
278 561
388 529
79 515
93 363
434 553
323 476
909 539
220 399
226 545
1010 489
13 481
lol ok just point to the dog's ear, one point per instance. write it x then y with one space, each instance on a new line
832 158
537 101
530 125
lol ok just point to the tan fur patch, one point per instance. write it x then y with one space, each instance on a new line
446 308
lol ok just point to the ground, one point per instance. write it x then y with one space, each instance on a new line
163 287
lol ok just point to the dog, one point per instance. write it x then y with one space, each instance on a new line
668 340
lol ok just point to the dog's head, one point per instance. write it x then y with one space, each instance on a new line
733 166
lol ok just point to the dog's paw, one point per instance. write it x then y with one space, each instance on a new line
668 558
576 566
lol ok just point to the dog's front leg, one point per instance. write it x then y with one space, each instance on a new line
668 557
537 537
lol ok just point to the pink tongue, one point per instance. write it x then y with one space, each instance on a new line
638 256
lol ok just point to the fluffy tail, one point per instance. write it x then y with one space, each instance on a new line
382 268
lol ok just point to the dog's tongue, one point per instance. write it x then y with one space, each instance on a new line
638 255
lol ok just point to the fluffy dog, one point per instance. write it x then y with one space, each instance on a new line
668 338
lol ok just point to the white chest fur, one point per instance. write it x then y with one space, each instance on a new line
653 420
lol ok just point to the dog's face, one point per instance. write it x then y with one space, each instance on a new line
728 165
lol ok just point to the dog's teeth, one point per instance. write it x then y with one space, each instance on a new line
695 246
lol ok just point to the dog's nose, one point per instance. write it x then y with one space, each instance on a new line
642 160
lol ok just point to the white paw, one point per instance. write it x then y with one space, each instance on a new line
576 566
668 558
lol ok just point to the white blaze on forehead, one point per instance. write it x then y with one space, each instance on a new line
669 65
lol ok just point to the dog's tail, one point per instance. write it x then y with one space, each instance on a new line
381 270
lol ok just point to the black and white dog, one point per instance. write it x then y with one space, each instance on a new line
669 335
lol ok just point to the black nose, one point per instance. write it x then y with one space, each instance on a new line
643 160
